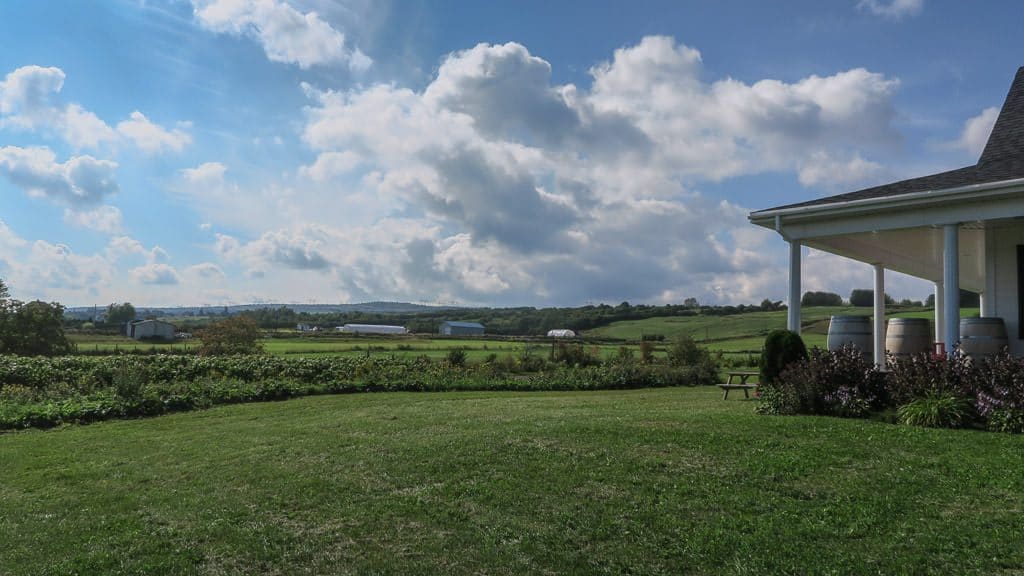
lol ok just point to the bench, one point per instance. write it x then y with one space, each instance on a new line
731 383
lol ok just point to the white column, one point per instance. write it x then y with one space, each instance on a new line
951 284
793 319
879 329
940 314
988 298
981 305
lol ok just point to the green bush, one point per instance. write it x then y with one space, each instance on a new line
781 348
936 410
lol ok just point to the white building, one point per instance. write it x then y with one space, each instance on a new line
960 229
371 329
150 329
561 333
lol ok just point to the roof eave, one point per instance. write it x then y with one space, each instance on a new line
771 217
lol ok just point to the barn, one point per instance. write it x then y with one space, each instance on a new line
371 329
450 328
150 330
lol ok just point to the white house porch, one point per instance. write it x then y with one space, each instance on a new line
960 229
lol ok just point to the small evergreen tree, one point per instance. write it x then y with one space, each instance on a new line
781 348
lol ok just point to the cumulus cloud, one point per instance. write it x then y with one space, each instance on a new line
976 131
151 137
81 182
526 190
29 100
106 219
893 9
155 273
205 270
286 34
820 169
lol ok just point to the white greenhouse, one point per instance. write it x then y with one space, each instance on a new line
561 333
371 329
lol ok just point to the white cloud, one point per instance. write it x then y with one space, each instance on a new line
524 190
286 34
329 165
152 138
155 273
81 182
976 131
106 219
820 169
205 270
28 102
894 9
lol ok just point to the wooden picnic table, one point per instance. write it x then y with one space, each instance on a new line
731 384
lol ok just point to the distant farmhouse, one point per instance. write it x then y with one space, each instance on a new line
371 329
150 330
462 329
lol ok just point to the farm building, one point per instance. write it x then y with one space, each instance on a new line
962 228
371 329
561 333
150 329
450 328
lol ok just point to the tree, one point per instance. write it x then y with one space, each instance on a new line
821 299
691 302
235 335
119 314
31 329
866 297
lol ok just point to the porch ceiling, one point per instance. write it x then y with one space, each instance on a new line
914 251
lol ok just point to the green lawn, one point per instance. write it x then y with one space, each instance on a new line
664 481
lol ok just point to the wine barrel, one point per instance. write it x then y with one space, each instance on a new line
980 337
906 336
853 330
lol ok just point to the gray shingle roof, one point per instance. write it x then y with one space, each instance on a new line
1002 159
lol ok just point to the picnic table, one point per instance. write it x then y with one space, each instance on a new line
731 384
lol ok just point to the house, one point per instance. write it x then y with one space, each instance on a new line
561 333
371 329
960 229
449 328
150 330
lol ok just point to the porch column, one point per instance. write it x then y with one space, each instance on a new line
940 314
988 297
951 284
879 331
793 319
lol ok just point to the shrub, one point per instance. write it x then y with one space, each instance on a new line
838 383
456 357
781 348
936 410
236 335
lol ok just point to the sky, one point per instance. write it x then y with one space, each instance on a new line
526 153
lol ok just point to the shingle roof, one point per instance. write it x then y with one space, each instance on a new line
1002 159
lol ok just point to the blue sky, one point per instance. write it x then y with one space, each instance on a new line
176 152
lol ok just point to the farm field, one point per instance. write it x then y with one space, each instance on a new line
736 336
746 332
647 482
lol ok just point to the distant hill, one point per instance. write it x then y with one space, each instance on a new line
365 307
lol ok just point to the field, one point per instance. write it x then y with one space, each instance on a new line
661 481
740 337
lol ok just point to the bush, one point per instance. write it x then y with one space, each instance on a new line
456 357
936 410
781 348
236 335
837 383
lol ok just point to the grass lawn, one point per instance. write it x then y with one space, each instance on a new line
645 482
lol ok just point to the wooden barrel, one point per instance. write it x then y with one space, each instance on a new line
854 330
906 336
980 337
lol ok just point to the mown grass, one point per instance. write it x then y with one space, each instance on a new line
662 481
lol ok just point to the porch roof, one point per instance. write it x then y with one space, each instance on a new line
899 225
